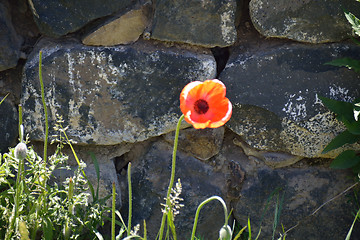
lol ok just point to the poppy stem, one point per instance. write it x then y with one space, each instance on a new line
202 205
168 204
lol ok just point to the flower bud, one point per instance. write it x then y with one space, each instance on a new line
225 233
20 151
71 189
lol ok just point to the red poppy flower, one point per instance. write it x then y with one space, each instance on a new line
204 104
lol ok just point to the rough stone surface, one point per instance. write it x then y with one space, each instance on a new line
10 41
10 82
9 125
200 143
123 30
272 159
56 18
107 176
205 23
304 21
110 95
275 96
304 187
150 179
303 191
102 153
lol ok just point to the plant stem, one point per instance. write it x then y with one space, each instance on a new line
352 226
15 213
113 211
19 182
203 204
4 98
70 209
45 109
41 203
172 176
21 131
130 200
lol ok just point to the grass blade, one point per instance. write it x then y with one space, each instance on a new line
249 227
352 226
145 231
4 98
239 233
113 211
130 199
97 170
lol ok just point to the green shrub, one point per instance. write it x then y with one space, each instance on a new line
346 112
47 209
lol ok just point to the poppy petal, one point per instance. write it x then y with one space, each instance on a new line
204 104
212 88
224 119
195 122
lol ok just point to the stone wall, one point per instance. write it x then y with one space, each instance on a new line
114 71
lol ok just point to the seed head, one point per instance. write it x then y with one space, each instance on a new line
20 151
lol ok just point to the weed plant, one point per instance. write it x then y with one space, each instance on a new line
33 205
348 113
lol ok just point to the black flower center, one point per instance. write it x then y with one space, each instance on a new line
201 106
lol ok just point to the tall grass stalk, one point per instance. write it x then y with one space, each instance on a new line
21 130
41 201
113 211
45 108
278 208
70 196
172 177
130 200
145 231
249 227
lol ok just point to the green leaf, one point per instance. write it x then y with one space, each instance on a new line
91 187
23 230
47 229
97 169
97 234
343 138
350 63
344 110
354 21
352 126
356 168
355 40
346 159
